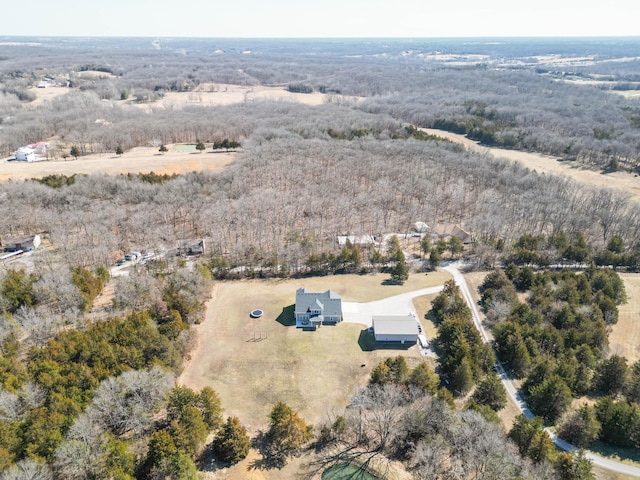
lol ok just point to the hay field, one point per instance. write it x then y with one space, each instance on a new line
207 95
624 339
137 160
624 181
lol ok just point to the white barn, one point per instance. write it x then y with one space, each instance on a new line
25 154
401 329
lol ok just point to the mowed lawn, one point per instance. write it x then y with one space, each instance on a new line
315 372
624 339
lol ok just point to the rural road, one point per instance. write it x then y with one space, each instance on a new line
598 460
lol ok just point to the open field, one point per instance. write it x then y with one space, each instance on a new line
624 339
624 181
137 160
208 94
315 372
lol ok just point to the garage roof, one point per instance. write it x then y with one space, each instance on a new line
395 325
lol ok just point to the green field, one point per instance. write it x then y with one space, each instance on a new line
184 148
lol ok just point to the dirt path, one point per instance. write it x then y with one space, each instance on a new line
626 182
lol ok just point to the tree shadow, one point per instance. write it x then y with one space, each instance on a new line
623 453
271 457
207 462
287 317
391 282
367 343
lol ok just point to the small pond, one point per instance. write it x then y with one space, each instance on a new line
344 471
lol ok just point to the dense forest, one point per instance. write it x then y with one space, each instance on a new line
92 394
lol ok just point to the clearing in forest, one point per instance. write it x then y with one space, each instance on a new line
136 160
254 363
624 339
624 181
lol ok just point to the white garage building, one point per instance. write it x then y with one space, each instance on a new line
401 329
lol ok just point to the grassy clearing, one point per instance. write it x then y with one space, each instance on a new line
315 372
624 338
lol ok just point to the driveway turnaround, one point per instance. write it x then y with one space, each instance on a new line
354 312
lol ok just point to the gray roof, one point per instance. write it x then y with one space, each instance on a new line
329 302
395 325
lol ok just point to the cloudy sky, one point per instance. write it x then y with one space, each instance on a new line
320 18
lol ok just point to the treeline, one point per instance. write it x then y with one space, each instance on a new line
397 420
94 397
292 192
557 343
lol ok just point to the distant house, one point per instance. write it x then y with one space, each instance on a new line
25 154
24 242
448 230
361 240
420 227
401 329
191 247
315 309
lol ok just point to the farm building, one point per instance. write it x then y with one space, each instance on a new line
362 240
396 328
315 309
24 242
25 154
420 227
191 247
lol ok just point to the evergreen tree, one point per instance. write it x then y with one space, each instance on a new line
424 378
200 146
287 431
400 272
435 258
531 439
491 392
232 442
163 149
119 150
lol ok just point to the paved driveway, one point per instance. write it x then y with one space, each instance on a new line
354 312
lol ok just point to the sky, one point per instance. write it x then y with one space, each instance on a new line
320 18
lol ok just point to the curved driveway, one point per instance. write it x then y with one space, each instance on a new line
515 396
354 312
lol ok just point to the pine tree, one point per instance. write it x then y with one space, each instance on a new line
232 442
400 272
288 430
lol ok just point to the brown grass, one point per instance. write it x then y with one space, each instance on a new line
624 181
624 338
316 372
137 160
